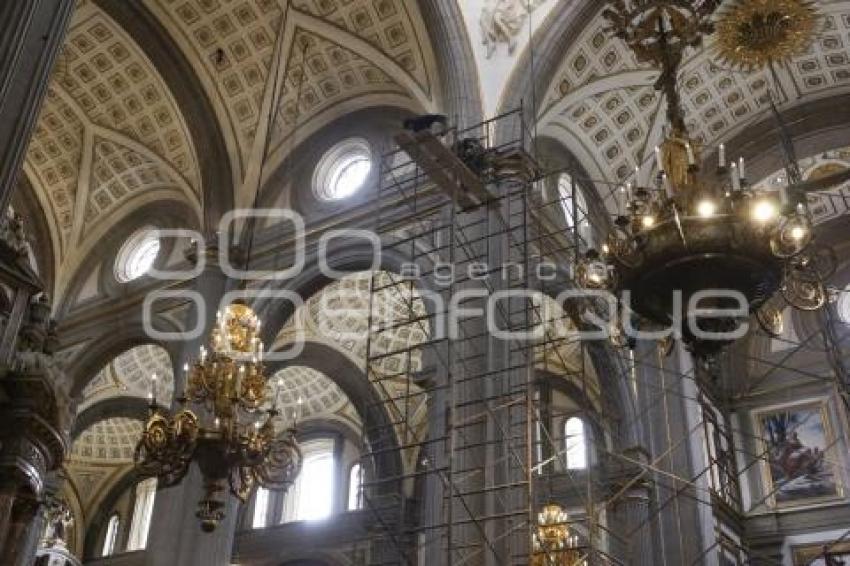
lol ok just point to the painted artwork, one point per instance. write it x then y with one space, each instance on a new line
825 554
797 443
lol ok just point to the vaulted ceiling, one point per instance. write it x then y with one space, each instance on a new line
602 106
112 138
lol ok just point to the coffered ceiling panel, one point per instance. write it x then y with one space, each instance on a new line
110 441
54 158
393 26
129 375
324 73
119 173
109 130
232 43
319 395
114 84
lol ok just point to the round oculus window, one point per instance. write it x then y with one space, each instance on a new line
137 255
343 170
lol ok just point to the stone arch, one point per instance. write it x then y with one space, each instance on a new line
461 96
353 382
98 520
129 407
106 348
102 253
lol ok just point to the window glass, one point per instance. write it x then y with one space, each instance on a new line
142 512
574 206
355 488
312 495
111 536
343 170
137 255
261 508
576 444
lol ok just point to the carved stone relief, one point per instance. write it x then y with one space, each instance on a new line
502 20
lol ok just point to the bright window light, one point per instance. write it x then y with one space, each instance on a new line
350 176
137 255
844 305
355 488
574 208
343 170
764 211
261 508
311 497
111 536
576 444
142 513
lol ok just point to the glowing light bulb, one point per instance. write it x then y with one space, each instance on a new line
648 221
764 211
706 208
798 233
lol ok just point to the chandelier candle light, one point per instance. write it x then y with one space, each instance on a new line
553 542
232 436
686 233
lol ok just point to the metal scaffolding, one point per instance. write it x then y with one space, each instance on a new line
470 420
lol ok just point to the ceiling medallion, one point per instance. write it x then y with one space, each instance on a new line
752 34
684 235
232 436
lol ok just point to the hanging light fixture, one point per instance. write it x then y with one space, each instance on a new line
232 437
554 544
686 232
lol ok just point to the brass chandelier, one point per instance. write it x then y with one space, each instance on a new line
554 544
688 232
232 435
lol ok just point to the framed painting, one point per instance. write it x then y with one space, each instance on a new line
822 554
798 448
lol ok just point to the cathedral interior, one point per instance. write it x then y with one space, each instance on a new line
425 282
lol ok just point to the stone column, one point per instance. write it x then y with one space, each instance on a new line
675 518
23 535
175 535
33 32
8 492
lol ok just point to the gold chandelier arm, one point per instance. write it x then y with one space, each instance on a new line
282 463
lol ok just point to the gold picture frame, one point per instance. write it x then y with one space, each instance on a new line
813 554
797 443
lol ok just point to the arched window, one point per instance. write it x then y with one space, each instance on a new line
574 206
576 444
261 508
142 512
111 537
355 488
312 495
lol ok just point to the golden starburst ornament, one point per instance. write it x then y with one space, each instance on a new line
752 34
